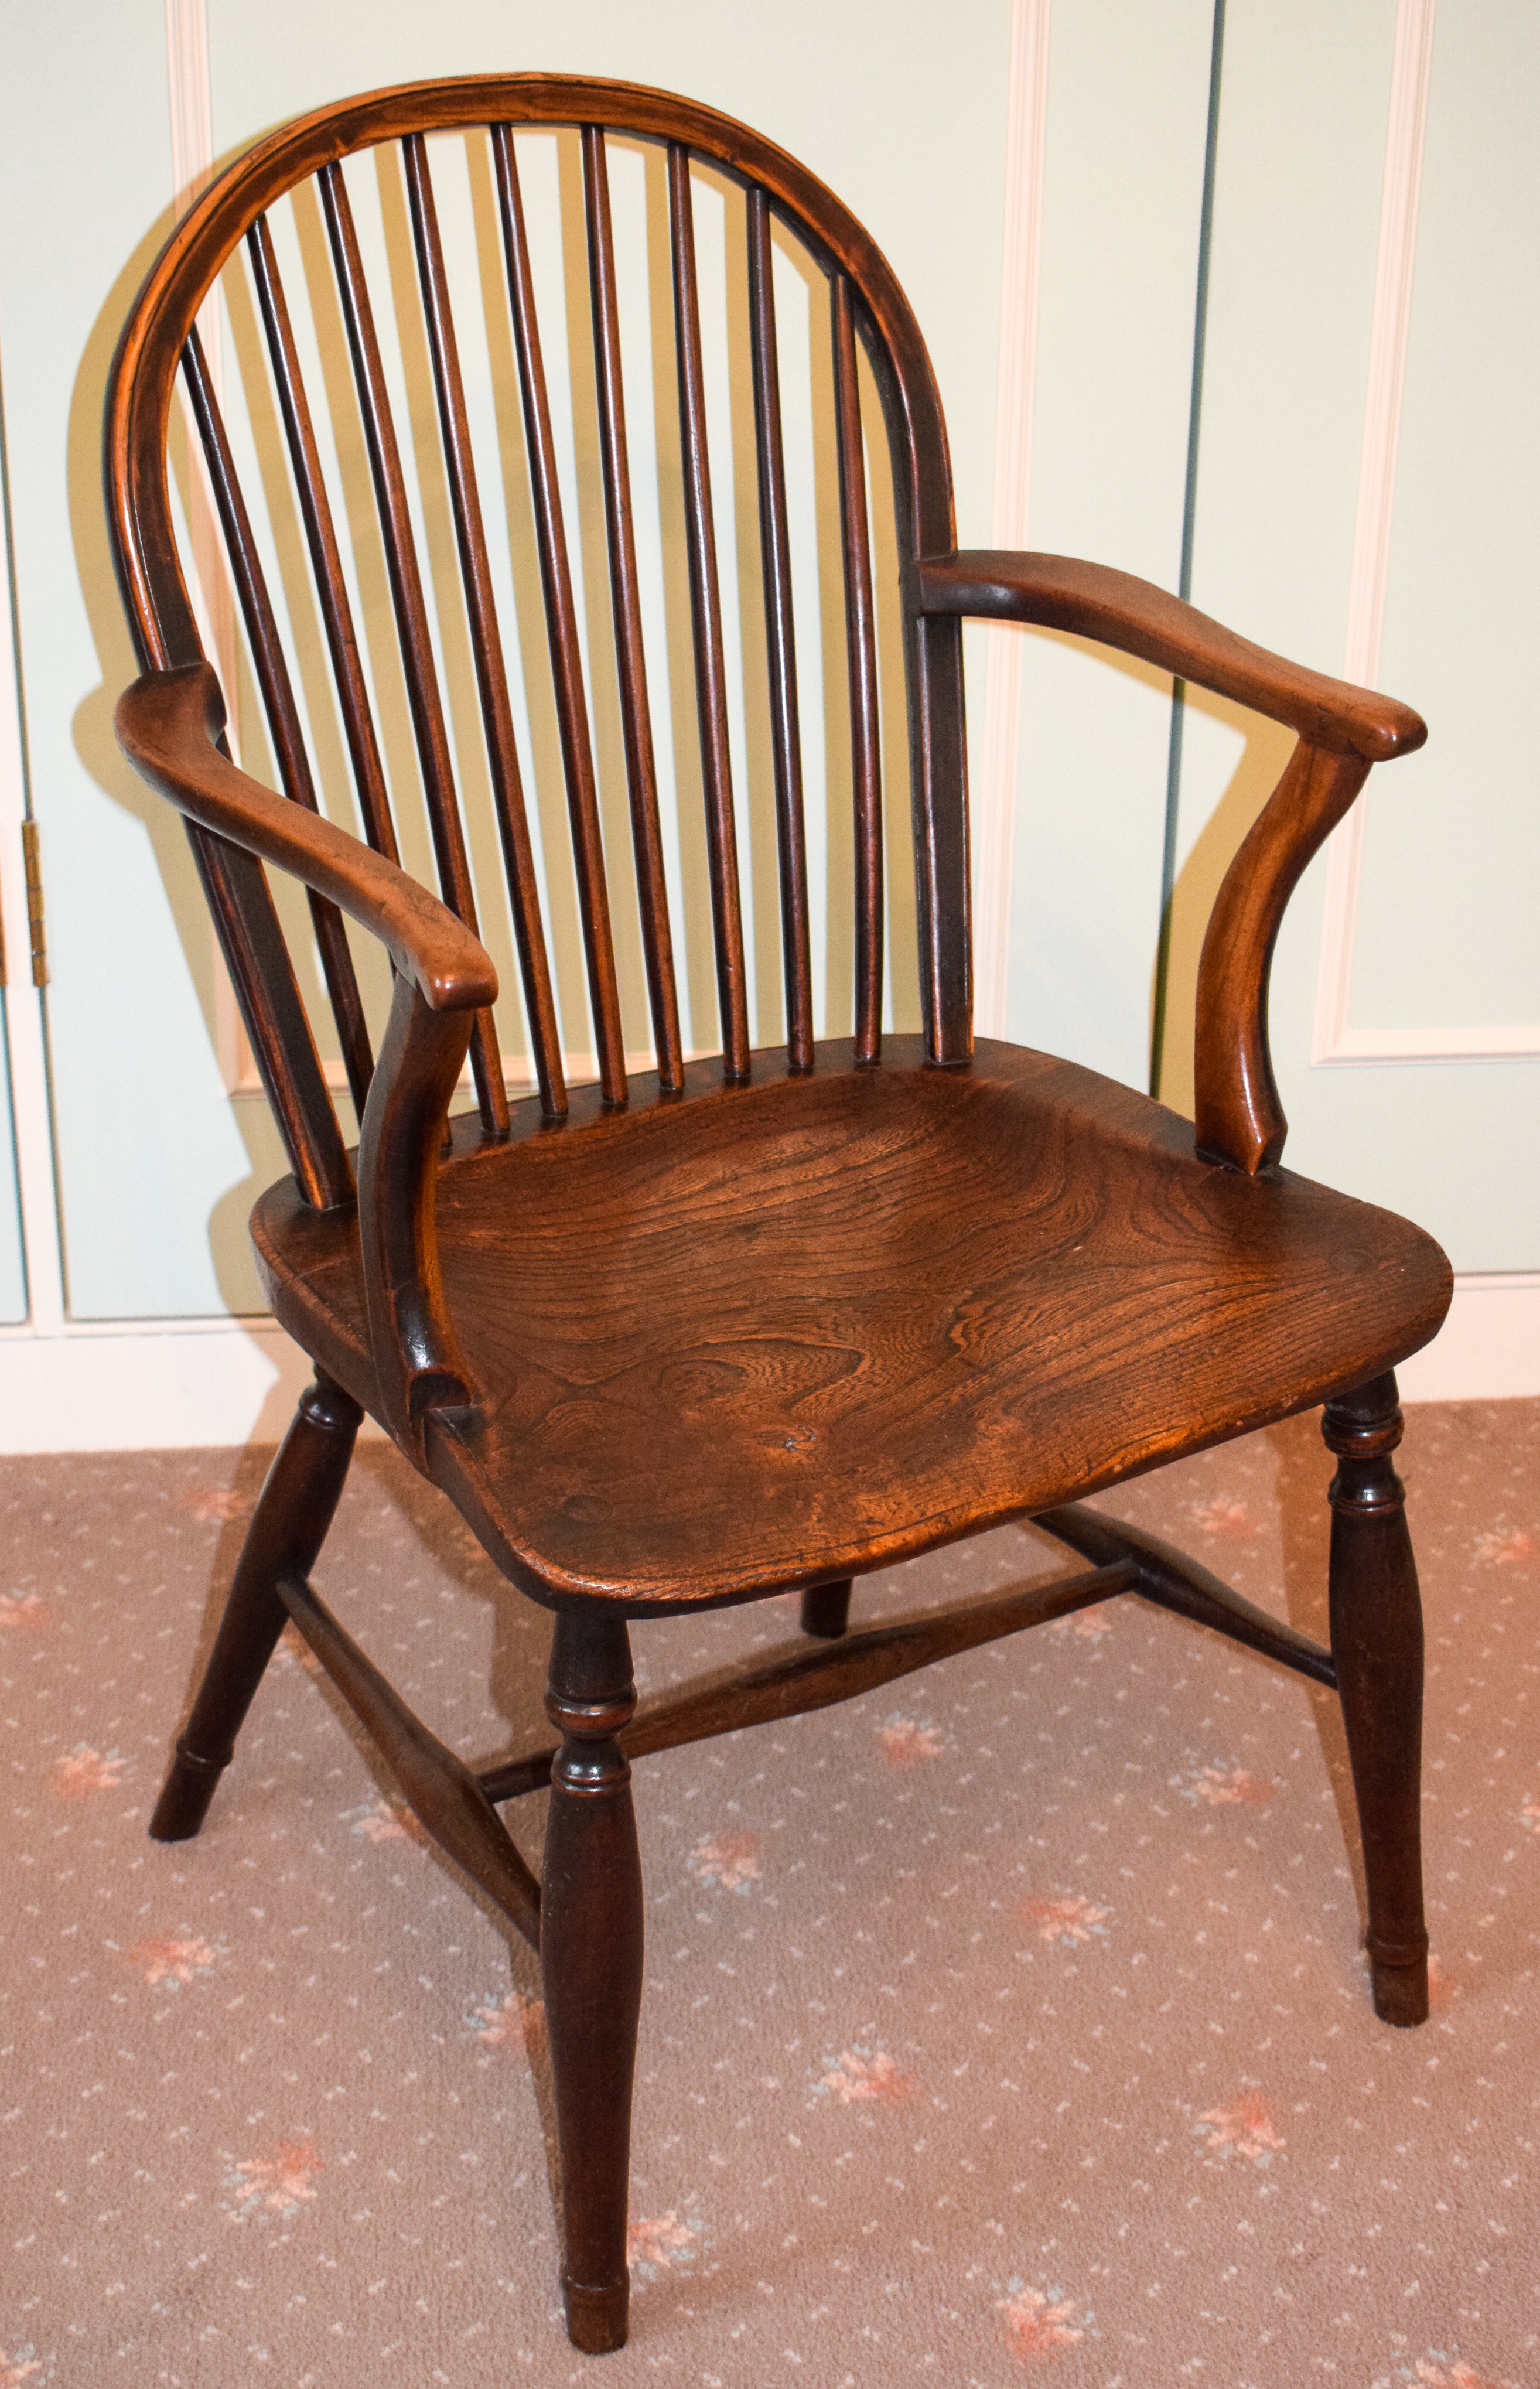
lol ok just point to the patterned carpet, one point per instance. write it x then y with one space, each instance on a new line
1007 2025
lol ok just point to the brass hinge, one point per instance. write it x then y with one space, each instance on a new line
34 904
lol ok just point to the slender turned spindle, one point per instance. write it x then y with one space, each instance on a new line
705 614
486 641
411 611
274 1017
826 1610
287 1529
657 944
561 618
860 634
283 717
1377 1644
590 1962
780 639
331 589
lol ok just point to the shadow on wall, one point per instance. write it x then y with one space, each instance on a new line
551 171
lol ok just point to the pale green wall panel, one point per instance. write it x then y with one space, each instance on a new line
148 1147
1128 102
1304 99
13 1264
1450 896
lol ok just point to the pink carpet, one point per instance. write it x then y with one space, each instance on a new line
1008 2025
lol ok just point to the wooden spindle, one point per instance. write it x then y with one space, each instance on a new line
626 603
331 589
561 616
860 636
780 639
270 666
485 640
706 614
411 612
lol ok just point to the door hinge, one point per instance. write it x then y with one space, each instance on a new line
34 904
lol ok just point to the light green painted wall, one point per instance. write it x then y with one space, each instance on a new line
13 1263
902 111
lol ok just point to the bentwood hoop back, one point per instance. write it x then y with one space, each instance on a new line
703 1329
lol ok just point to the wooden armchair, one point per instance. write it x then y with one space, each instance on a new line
700 1333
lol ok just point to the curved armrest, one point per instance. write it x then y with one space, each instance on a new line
1343 730
167 724
1057 593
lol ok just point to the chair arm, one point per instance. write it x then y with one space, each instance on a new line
1059 592
1343 730
166 723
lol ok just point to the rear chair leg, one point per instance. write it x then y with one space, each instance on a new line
1377 1644
591 1963
288 1529
826 1609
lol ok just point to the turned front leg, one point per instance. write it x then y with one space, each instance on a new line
1377 1644
590 1962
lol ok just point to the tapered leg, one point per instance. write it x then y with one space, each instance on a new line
591 1963
289 1525
1377 1644
826 1609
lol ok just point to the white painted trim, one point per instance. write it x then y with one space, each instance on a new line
1487 1044
187 1383
1390 327
170 1383
31 1110
1488 1348
994 833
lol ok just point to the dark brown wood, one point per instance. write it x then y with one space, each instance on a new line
411 611
168 725
331 587
411 1325
1060 593
625 598
826 1609
283 717
792 1682
1173 1581
561 618
1376 1641
486 640
1239 1114
438 1787
780 639
289 1526
802 1329
705 614
590 1962
861 633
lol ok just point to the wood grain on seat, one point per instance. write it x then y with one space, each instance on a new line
794 1330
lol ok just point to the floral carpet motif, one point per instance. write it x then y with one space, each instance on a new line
1008 2024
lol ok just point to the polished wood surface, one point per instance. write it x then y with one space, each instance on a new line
769 1319
809 1328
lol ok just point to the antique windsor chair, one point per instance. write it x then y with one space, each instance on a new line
716 1329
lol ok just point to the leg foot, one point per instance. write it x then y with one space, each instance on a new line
591 1963
1377 1644
826 1610
288 1529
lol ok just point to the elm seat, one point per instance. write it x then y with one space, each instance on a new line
778 1332
704 1332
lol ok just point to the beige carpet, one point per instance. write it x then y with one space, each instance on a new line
1008 2025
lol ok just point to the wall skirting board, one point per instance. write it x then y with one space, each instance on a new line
176 1383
